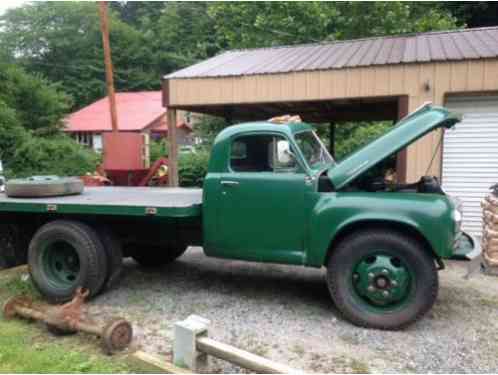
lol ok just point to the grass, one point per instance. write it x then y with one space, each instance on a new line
26 347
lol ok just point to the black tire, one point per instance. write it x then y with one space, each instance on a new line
14 242
156 256
86 251
342 279
114 254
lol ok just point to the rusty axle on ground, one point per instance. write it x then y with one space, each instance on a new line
66 319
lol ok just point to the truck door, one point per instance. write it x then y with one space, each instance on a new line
262 204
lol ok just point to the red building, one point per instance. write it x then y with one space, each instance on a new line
139 112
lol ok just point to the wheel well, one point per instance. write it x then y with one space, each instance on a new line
403 229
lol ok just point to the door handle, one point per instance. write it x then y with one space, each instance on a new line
229 183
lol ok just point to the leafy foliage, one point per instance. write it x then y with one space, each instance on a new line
38 104
158 149
351 136
63 42
55 156
12 134
248 25
208 128
473 13
192 168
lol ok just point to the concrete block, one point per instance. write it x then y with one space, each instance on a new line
185 353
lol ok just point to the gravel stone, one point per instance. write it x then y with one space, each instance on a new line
285 313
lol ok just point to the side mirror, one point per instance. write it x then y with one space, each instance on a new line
285 156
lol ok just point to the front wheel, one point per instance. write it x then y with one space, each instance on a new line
380 279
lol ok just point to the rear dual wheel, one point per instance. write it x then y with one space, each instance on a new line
65 255
381 279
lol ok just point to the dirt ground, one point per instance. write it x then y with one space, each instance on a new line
285 313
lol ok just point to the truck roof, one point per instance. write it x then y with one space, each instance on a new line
289 128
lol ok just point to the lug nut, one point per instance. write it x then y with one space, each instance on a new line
371 288
394 283
371 275
385 293
385 271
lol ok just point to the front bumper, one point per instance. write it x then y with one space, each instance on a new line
466 247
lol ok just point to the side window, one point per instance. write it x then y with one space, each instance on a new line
262 153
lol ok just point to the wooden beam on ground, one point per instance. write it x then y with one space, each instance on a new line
157 364
242 358
173 148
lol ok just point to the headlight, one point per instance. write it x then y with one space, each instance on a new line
457 217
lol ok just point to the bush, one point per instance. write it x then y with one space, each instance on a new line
12 134
38 103
60 156
158 149
351 136
192 168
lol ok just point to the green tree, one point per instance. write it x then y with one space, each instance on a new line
183 34
248 25
208 128
62 41
12 134
350 136
473 13
36 103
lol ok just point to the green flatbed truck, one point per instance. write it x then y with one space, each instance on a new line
273 194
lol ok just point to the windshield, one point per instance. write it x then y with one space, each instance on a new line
313 149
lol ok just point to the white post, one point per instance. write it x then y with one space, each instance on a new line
185 353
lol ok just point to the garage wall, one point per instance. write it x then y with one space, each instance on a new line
470 154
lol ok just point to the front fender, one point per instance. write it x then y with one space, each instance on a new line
333 213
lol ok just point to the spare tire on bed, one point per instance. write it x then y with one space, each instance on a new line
43 186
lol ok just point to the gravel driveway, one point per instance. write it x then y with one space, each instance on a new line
285 313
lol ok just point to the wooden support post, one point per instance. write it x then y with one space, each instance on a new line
173 148
401 162
104 25
332 139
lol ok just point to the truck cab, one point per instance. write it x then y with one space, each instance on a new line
273 193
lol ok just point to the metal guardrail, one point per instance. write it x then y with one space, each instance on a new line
192 346
241 358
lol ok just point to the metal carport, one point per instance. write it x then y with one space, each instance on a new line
380 78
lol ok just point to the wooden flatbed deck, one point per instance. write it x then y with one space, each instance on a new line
129 201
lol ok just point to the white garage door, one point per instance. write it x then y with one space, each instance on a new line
470 155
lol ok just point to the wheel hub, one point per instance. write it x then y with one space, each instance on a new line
61 264
381 280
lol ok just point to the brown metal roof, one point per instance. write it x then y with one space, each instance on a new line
425 47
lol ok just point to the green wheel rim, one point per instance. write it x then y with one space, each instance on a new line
61 264
382 282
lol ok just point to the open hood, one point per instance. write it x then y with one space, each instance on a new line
408 130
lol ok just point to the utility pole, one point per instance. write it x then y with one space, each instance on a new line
104 25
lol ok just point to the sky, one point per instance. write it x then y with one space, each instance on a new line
6 4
